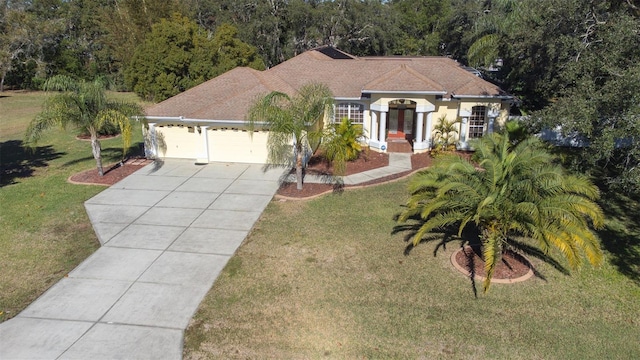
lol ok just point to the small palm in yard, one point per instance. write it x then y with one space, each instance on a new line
294 123
84 105
516 197
444 132
342 144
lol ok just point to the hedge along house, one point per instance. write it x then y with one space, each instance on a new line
397 100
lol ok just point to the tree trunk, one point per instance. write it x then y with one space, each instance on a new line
299 169
95 147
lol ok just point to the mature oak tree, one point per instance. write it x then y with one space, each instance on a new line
179 54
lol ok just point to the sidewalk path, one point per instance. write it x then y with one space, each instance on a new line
166 233
398 162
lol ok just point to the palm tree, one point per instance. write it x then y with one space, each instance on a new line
516 197
491 29
443 133
342 144
84 105
296 120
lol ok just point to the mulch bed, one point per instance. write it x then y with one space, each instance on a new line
368 160
87 137
512 266
112 173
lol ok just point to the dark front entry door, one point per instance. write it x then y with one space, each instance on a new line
401 124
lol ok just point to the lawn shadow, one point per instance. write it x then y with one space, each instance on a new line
18 161
470 237
289 176
111 155
519 246
620 236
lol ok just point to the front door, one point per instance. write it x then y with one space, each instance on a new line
400 123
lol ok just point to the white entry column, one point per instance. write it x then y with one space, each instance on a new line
383 128
464 125
429 135
374 126
419 143
492 114
423 133
378 126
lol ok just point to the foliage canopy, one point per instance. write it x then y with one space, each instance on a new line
178 54
294 122
516 197
342 144
84 105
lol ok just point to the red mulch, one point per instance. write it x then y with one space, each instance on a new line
368 160
112 173
512 265
87 137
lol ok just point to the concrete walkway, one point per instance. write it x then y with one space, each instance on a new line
166 233
398 162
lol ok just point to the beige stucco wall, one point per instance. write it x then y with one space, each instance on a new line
178 142
467 105
238 146
234 145
454 110
445 108
224 145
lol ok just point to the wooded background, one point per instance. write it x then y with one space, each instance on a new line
570 63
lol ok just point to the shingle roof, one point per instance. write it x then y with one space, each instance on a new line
403 78
228 96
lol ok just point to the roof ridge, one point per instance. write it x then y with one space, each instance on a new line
406 69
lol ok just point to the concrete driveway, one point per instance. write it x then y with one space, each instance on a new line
167 232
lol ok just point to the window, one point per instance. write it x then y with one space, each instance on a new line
476 121
351 111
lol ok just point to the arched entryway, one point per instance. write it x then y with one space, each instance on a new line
401 125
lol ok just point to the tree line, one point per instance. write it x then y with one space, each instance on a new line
572 64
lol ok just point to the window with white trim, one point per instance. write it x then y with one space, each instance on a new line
477 121
351 111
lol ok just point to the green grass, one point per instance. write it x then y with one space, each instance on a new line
326 279
45 229
18 108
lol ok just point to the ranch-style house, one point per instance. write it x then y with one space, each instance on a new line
397 99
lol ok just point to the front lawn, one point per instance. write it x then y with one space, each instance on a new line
45 229
326 279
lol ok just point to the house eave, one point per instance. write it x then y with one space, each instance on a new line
181 120
500 97
344 98
404 92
